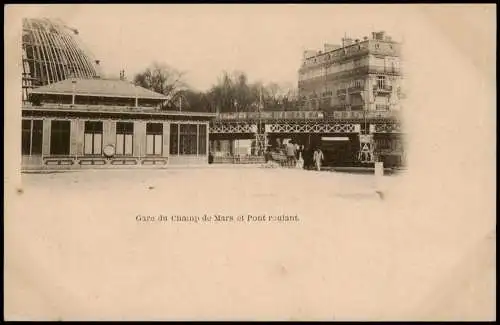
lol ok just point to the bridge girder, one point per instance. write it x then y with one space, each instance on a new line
312 127
232 128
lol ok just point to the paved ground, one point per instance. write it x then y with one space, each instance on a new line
352 254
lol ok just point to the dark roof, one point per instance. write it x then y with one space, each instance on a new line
100 88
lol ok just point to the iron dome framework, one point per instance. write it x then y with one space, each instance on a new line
51 52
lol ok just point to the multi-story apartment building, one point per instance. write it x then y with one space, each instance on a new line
359 79
355 76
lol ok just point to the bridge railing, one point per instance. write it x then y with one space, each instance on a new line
306 115
361 114
271 115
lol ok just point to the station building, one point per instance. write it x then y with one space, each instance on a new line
108 123
73 117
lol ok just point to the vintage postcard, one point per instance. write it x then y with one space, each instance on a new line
250 162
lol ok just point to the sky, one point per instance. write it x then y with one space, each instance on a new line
265 41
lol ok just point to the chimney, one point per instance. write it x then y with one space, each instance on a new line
347 41
379 35
73 84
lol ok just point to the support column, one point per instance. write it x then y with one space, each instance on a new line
76 135
231 147
366 148
139 138
80 134
197 140
179 139
46 137
207 133
166 139
109 133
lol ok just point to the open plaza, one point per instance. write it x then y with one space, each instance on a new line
347 247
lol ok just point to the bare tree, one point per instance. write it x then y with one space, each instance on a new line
161 78
233 93
191 100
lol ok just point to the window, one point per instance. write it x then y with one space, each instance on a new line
381 81
174 138
60 137
188 139
383 144
32 137
202 139
92 144
124 138
154 139
26 137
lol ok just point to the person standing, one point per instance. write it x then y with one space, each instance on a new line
290 152
318 158
307 155
300 161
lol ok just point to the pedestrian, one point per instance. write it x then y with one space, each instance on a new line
307 157
290 153
300 161
318 158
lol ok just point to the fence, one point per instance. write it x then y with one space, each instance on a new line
243 159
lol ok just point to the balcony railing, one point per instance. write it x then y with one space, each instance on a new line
356 89
382 107
384 70
342 107
382 88
357 107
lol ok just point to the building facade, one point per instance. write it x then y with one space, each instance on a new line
362 77
104 123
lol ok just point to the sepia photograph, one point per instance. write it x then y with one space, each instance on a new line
250 162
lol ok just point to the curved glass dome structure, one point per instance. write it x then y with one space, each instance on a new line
52 52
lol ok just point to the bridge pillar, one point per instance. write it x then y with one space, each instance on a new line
366 148
261 142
